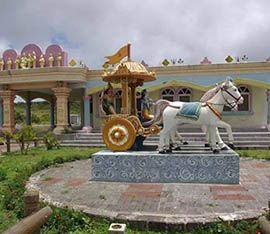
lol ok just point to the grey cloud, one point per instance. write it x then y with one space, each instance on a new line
156 28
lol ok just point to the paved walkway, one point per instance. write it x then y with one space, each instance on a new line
157 204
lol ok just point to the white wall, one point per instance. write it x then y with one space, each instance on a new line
257 117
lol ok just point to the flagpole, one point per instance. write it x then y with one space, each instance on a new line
129 59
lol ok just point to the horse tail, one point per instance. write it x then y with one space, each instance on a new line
160 106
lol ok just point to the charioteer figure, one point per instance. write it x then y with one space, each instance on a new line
146 103
107 99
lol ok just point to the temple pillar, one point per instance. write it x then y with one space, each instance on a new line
86 114
124 109
52 107
68 115
61 94
1 114
8 97
28 109
133 105
268 107
82 111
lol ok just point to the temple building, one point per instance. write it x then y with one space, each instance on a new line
34 73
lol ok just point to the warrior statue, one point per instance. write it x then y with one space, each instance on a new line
107 99
146 103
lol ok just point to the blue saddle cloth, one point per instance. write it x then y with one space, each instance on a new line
190 110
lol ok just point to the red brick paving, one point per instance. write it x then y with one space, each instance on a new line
248 178
169 203
231 193
220 188
145 186
233 197
260 165
141 194
143 190
51 181
74 182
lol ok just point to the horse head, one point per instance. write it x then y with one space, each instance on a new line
231 93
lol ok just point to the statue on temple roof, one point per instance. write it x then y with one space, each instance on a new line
17 62
29 61
34 59
59 59
9 64
41 61
51 60
23 63
1 64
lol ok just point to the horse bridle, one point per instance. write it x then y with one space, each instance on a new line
235 98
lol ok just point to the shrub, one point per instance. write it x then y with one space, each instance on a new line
19 117
50 141
5 139
24 137
35 118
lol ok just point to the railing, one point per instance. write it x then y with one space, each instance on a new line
31 224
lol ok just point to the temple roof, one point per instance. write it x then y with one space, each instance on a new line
134 71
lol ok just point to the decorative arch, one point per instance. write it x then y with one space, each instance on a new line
184 94
55 50
30 48
168 94
12 54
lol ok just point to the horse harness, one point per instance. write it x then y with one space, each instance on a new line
235 98
216 112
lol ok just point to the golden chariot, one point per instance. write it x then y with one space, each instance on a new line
121 131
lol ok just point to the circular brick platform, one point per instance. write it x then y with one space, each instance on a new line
150 205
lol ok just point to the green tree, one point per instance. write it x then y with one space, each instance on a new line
24 137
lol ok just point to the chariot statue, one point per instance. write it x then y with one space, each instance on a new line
124 131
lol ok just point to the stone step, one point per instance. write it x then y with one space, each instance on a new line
243 147
155 140
198 129
182 133
245 137
193 144
242 139
238 140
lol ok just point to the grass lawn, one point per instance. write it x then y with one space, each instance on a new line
15 169
259 154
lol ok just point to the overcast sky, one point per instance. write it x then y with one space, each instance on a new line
157 29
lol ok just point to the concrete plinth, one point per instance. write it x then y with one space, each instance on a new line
186 166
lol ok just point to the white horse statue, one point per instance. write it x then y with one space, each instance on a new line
177 141
207 114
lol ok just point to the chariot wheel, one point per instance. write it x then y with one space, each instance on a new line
119 134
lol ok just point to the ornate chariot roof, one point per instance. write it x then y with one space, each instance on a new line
134 72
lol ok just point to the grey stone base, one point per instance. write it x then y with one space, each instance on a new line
186 166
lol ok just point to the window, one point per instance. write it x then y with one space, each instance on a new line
246 95
168 94
184 95
118 101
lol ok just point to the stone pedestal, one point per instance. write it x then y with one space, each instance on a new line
62 94
8 109
186 166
